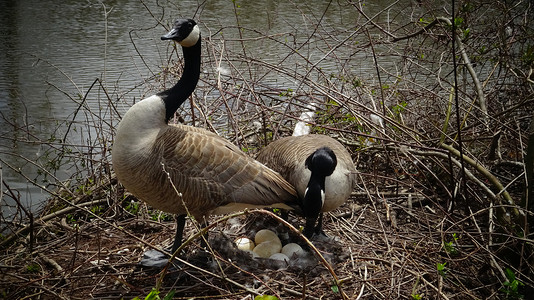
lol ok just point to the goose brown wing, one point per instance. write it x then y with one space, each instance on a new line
287 155
210 171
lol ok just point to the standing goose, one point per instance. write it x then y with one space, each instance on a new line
320 169
209 175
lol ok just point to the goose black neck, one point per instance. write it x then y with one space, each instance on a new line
175 96
321 163
313 198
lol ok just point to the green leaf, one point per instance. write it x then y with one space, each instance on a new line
442 269
153 295
170 295
265 297
509 274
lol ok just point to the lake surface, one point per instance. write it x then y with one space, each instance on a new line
51 53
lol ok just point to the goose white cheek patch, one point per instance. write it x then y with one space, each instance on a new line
192 38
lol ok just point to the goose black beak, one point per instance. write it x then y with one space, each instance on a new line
170 35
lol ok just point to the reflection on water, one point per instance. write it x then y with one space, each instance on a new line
52 51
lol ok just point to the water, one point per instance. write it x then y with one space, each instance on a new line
52 52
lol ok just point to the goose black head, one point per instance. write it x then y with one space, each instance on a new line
184 31
322 162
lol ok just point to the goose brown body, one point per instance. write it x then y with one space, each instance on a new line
289 157
209 174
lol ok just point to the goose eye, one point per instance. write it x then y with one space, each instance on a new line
189 25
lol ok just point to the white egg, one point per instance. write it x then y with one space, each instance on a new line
266 235
244 244
279 256
292 249
268 248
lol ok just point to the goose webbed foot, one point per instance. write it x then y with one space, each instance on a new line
318 230
309 228
320 236
154 259
315 232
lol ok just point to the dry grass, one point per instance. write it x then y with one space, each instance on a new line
415 227
384 249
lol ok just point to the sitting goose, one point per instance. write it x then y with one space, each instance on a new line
320 169
182 169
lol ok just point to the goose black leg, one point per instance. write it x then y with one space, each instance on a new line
204 237
315 231
155 259
284 214
178 238
319 228
180 224
309 227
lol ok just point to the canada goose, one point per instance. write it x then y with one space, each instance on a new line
320 169
182 169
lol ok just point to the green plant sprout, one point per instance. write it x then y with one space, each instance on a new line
132 207
265 297
417 297
450 247
511 286
154 295
442 269
33 268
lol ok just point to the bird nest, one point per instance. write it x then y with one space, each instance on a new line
399 246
